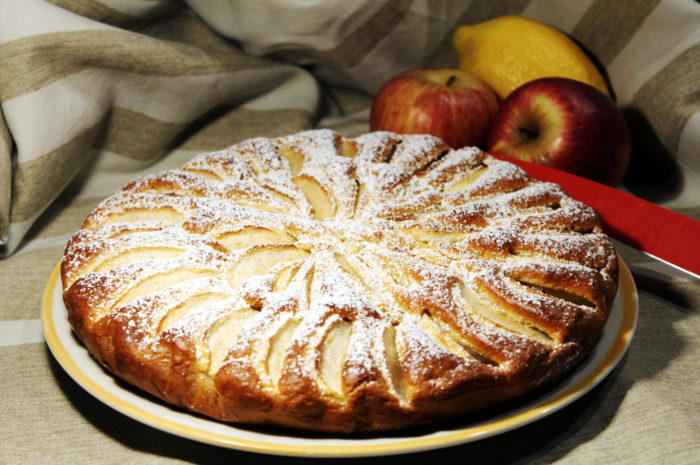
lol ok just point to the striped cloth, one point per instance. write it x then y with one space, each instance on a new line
94 93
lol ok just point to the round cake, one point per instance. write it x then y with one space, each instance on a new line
339 285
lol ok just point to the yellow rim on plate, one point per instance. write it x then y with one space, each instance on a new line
336 446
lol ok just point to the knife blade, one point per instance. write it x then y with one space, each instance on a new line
655 230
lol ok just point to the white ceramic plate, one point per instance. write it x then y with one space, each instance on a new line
78 363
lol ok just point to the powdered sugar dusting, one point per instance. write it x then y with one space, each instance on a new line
231 230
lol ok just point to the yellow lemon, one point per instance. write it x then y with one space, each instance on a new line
509 51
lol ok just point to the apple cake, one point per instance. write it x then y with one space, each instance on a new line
339 285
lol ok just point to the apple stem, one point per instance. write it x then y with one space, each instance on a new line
528 133
450 80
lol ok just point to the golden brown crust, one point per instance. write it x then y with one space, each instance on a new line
339 285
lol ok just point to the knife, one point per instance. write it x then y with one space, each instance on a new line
661 233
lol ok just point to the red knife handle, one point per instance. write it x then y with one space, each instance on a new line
658 231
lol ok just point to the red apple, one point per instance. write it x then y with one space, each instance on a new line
564 124
450 104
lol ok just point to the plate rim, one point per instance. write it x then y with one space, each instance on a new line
627 292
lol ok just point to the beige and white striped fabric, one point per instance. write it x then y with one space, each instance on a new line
94 93
111 87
